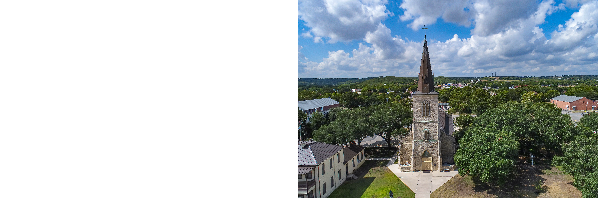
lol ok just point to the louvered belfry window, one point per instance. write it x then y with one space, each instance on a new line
426 108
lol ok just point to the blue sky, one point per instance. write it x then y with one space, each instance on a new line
353 38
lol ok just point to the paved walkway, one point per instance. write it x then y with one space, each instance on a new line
422 184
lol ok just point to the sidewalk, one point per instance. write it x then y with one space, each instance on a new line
422 184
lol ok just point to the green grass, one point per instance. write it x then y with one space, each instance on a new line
376 181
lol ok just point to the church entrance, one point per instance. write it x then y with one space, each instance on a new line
426 161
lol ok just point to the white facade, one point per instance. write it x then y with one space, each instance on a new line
326 177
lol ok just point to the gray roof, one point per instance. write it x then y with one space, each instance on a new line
306 156
567 98
315 153
316 103
351 151
303 170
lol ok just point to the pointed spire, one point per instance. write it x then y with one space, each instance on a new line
426 78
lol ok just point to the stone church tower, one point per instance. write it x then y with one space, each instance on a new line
424 148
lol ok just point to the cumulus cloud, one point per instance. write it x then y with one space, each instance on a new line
386 46
509 45
492 16
342 20
580 28
425 12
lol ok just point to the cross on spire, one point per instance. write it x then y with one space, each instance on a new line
424 28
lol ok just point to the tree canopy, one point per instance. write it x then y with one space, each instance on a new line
537 128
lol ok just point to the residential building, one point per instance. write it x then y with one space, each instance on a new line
573 103
317 105
321 169
354 157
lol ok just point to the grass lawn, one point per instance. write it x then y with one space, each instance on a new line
375 180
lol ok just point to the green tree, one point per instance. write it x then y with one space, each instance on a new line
469 100
391 120
345 125
463 122
487 154
589 122
590 92
537 128
579 160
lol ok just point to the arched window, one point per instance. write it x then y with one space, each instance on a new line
426 134
426 108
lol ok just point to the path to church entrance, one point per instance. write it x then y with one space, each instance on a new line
422 184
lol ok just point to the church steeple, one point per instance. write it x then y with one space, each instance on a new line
426 78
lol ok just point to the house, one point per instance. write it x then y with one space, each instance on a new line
321 169
573 103
354 157
317 105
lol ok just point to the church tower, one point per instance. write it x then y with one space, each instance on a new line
426 131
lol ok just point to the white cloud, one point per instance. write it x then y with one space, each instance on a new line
342 20
579 28
492 16
386 46
513 45
425 12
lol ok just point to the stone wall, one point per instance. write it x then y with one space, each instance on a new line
425 131
447 148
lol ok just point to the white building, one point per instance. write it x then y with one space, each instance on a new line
324 167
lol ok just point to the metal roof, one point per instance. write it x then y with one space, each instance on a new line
315 153
316 103
303 170
306 156
567 98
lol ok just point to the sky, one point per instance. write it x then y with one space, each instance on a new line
466 38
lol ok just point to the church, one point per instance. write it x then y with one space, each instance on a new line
430 144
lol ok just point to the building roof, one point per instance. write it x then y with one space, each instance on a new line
567 98
316 103
351 151
306 156
315 153
303 170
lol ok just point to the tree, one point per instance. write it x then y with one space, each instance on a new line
589 122
486 148
345 125
463 122
487 154
390 120
579 156
540 128
590 92
469 100
579 160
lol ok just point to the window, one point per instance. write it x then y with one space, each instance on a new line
338 157
426 108
330 163
331 181
426 134
324 189
323 169
353 162
300 176
308 176
339 174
